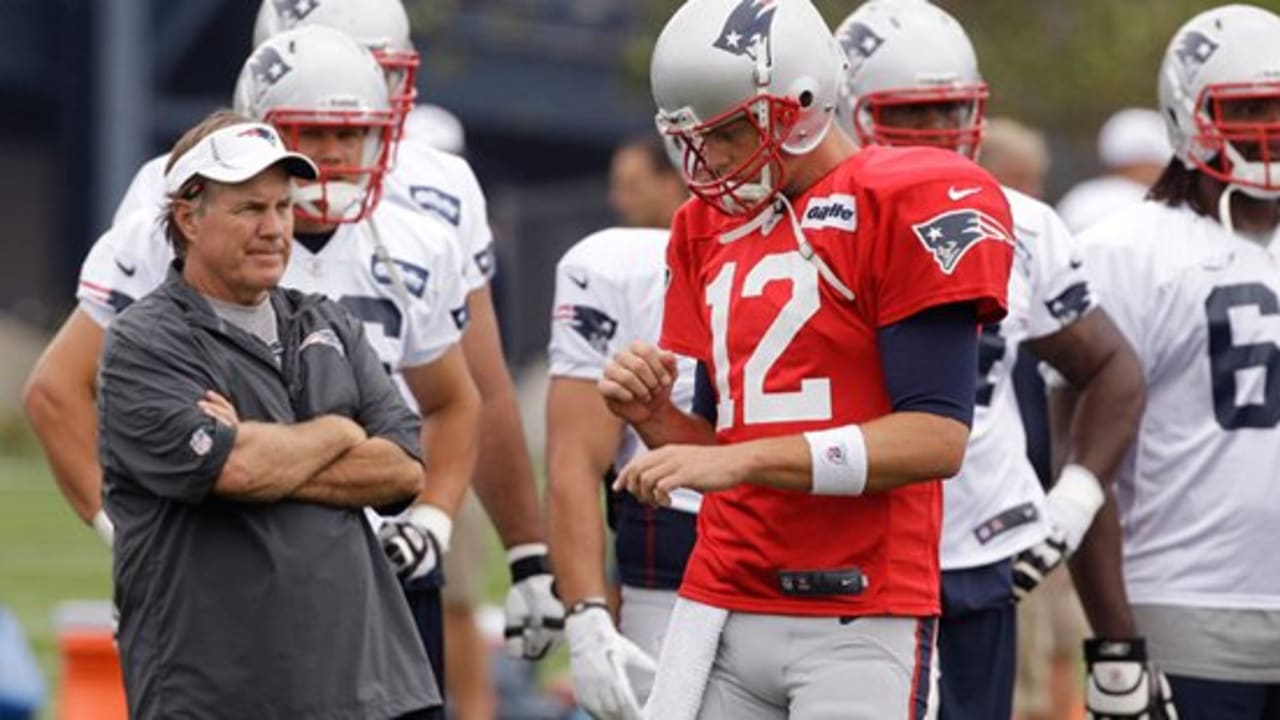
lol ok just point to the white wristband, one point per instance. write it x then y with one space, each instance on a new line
1073 502
839 458
435 521
104 527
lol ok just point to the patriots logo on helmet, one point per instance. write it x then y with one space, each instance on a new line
861 40
595 326
1070 303
746 31
950 235
268 67
1194 50
292 11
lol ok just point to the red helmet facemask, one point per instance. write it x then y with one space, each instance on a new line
342 193
756 179
401 69
965 137
1245 151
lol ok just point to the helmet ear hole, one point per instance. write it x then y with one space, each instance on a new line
806 98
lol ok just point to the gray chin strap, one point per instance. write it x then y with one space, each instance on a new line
770 215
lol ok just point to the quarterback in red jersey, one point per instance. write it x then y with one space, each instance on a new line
832 301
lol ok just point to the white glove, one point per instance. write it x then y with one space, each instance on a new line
104 527
598 661
1033 565
534 616
411 549
1122 685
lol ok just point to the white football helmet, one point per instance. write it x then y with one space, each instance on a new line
380 25
1228 54
772 62
910 52
316 77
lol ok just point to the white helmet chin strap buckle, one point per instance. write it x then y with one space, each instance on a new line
341 197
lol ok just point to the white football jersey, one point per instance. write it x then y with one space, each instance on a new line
443 185
609 293
1199 494
146 190
407 329
995 507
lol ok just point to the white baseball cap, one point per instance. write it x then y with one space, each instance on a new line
1134 136
237 153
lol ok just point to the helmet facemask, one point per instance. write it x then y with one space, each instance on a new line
756 179
1237 145
401 68
342 193
873 123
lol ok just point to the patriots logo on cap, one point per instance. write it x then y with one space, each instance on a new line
259 132
595 326
291 11
950 235
1194 50
746 31
861 40
268 67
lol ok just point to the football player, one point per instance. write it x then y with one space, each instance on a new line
913 80
1190 275
394 268
831 299
609 290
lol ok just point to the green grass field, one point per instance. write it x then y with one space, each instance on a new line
46 555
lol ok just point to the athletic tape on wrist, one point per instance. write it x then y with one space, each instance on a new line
1073 502
104 527
435 521
839 460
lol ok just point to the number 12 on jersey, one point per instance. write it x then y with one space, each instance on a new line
812 402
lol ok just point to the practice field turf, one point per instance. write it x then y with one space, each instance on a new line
46 556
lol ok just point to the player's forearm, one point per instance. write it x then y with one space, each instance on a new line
1097 569
901 448
376 472
450 442
504 479
575 528
65 420
269 460
672 426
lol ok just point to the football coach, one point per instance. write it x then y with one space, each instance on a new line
242 429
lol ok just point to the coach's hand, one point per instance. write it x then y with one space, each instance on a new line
534 616
410 548
637 382
1033 565
598 661
651 477
1122 685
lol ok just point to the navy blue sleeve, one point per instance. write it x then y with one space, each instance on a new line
930 361
704 394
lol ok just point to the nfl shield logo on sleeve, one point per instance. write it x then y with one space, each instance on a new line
201 442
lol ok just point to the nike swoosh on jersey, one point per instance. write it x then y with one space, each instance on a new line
579 281
128 270
956 195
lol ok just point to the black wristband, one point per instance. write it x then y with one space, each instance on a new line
1115 650
525 568
585 605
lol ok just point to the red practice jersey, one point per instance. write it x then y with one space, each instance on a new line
904 229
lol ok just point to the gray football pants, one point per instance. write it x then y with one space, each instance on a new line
773 667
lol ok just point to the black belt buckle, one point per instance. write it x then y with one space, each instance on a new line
847 581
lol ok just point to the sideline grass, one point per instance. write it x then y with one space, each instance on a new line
46 556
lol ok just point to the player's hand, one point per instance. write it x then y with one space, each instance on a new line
652 476
637 382
598 661
1122 685
410 548
1033 565
219 408
534 615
